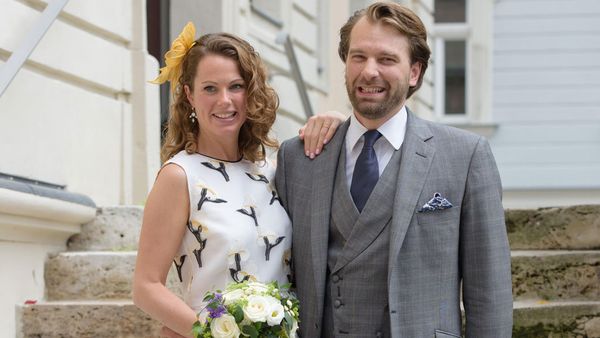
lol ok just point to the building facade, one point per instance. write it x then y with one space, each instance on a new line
546 80
79 128
80 125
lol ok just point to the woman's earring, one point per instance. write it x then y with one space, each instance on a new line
193 115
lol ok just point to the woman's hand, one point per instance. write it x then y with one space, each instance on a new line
165 332
318 130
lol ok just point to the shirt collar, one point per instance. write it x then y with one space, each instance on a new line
393 130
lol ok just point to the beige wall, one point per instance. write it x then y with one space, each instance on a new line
79 113
22 268
337 97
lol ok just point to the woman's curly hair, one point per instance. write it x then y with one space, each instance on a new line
261 100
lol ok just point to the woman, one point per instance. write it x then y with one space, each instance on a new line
213 207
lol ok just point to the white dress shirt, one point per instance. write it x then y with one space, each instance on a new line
392 132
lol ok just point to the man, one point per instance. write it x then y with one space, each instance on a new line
387 226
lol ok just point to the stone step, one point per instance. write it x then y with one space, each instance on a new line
94 275
571 228
121 319
548 275
556 319
113 229
118 319
556 275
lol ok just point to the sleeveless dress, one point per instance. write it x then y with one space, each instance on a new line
237 228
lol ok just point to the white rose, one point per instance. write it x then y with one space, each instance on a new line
232 296
224 327
257 308
276 312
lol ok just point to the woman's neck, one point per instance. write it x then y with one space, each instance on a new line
221 149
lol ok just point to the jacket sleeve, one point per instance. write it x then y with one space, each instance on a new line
280 183
484 250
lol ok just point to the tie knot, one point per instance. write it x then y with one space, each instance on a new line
371 137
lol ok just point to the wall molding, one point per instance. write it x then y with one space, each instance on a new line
35 214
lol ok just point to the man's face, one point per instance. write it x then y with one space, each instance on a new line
378 70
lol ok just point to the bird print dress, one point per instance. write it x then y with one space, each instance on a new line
237 228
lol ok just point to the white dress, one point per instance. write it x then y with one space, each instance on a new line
237 229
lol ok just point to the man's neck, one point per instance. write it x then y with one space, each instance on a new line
371 124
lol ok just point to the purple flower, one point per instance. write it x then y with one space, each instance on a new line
217 312
215 307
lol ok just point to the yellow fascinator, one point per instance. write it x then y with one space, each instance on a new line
174 57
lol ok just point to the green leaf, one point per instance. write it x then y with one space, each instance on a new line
197 329
238 314
250 331
271 334
235 286
287 322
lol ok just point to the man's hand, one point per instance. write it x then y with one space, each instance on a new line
318 130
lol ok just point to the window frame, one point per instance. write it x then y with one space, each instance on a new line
264 13
477 32
450 32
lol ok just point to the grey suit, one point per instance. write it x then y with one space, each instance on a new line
429 253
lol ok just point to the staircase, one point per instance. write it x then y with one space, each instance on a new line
556 271
88 288
555 267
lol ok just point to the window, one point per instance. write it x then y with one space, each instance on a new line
268 10
450 58
454 82
450 11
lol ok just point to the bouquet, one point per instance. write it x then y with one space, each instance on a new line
249 309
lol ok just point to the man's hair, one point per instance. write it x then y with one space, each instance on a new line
405 21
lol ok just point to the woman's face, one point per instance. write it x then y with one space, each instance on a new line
219 97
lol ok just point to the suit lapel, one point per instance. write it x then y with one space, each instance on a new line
324 169
416 160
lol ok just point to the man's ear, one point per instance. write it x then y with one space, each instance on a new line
188 94
415 72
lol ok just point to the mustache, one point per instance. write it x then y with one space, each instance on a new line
360 83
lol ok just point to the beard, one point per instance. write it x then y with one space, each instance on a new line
375 110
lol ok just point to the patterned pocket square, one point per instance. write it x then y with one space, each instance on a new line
436 203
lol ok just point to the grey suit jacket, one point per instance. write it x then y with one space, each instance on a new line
431 254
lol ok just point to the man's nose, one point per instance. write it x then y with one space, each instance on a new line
371 69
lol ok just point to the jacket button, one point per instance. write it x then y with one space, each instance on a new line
337 303
379 334
335 278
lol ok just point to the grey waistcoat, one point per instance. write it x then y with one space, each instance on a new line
356 300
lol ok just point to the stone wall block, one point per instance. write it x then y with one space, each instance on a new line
571 228
564 320
113 229
94 276
550 276
85 320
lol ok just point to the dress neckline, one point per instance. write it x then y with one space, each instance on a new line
219 159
